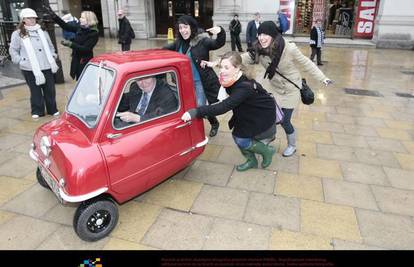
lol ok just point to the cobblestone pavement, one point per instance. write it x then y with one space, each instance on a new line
349 186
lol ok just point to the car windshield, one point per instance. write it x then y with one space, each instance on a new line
90 95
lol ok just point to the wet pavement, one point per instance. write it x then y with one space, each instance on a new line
349 186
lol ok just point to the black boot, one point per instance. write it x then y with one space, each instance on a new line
214 126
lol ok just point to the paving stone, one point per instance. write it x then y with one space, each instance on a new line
211 152
6 216
26 166
314 137
376 157
346 245
11 187
329 220
120 244
231 155
360 130
209 173
8 141
340 118
221 202
378 114
34 202
328 126
402 179
226 139
303 123
176 194
394 200
335 152
349 194
65 238
394 134
409 146
320 168
236 235
285 164
384 144
306 149
355 111
349 140
386 230
373 122
304 187
364 173
406 160
175 230
23 233
277 211
135 219
5 156
62 214
288 240
257 180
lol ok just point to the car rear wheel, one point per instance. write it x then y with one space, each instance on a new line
94 220
41 180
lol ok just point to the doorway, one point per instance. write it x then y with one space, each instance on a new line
167 13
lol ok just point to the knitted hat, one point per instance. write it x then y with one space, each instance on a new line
27 13
269 28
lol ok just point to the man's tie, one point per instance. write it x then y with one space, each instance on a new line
144 104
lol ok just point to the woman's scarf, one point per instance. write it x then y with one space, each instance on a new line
40 78
274 52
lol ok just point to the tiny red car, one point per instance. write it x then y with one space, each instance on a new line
98 158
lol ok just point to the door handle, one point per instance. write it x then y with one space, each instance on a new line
183 125
113 136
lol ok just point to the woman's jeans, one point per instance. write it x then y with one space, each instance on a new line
286 124
200 95
265 137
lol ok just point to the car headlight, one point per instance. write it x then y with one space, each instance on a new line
45 145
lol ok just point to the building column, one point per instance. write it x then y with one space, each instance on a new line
394 25
225 9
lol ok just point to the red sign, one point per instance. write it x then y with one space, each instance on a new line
365 17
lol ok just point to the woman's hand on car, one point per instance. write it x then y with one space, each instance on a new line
128 116
186 117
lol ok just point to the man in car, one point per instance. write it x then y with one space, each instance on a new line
147 98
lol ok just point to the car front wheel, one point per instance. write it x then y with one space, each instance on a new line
41 180
95 220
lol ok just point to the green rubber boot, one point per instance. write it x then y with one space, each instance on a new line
250 163
264 150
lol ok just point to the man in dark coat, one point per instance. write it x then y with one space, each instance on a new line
316 41
147 98
125 32
251 31
235 30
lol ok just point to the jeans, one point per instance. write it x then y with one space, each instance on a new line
243 143
286 124
200 95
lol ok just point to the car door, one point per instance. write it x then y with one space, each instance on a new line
142 154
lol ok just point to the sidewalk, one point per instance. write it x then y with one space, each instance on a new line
349 186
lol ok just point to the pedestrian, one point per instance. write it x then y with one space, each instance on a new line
275 54
235 30
32 49
254 114
317 37
86 37
251 31
196 44
125 32
69 19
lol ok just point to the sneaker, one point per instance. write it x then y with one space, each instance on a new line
56 114
35 116
289 151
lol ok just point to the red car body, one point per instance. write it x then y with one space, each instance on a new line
84 163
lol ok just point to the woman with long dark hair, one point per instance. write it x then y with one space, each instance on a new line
196 44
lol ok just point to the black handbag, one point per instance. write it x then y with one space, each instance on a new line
306 93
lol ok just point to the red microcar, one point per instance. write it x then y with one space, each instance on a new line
96 154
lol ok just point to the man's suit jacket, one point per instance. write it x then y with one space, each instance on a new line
251 32
162 101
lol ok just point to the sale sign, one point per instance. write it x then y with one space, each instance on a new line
365 17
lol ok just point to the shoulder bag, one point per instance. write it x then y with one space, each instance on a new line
306 93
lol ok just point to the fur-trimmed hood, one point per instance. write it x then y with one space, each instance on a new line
200 36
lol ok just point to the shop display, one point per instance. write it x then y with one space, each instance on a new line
304 16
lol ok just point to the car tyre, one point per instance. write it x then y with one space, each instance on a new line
41 180
95 220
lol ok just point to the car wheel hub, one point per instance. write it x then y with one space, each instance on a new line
98 221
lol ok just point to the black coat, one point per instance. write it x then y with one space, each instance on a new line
235 27
125 32
253 108
82 45
162 101
201 45
314 37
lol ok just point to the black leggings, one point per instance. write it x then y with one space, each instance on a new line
286 124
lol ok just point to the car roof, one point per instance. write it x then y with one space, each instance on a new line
142 59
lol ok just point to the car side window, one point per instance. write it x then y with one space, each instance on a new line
147 98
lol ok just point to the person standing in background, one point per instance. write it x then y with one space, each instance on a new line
251 31
125 32
316 41
235 30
